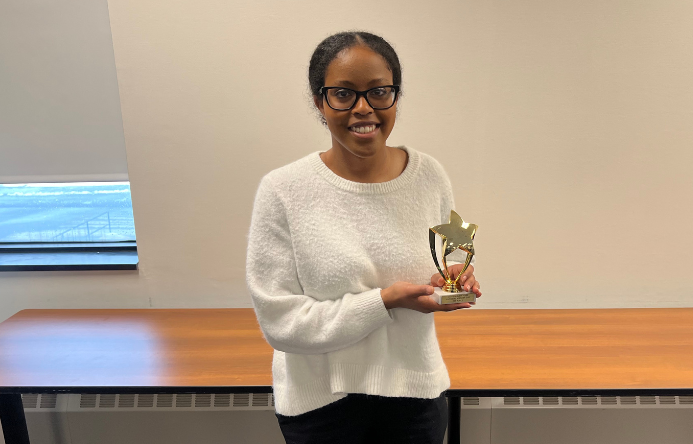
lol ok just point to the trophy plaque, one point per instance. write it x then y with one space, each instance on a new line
455 234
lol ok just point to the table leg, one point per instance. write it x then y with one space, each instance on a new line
454 411
13 419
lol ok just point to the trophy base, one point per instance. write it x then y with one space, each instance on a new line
444 297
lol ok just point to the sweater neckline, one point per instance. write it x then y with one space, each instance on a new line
398 182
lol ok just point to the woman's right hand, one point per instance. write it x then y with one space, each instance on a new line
415 297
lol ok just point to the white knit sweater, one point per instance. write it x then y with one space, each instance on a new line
320 249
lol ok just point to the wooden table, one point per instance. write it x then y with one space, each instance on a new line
488 353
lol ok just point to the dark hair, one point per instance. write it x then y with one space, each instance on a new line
328 49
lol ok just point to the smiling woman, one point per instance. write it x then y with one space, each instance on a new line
359 131
344 296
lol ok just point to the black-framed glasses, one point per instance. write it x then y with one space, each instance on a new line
343 99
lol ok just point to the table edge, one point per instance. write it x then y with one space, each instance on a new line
483 393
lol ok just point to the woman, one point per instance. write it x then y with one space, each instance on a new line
338 265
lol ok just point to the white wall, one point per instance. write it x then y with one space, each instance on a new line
565 126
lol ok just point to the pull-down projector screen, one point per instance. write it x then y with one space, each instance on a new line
60 115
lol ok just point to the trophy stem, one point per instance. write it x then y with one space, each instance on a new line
447 276
451 287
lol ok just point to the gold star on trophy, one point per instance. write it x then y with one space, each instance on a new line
456 234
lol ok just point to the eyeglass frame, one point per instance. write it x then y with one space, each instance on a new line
359 94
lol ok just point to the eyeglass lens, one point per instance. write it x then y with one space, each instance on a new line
378 98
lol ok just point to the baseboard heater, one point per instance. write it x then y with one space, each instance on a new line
248 418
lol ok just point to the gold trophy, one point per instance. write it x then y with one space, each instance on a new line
455 234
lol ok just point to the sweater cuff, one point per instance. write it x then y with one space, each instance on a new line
371 308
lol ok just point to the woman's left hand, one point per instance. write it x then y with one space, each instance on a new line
467 281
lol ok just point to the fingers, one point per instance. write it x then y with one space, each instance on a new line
476 290
468 283
419 290
437 280
456 269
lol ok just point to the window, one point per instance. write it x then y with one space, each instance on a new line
81 226
66 212
62 144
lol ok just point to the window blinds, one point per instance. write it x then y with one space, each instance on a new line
60 117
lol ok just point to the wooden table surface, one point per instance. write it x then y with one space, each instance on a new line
483 349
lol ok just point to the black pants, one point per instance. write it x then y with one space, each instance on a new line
365 419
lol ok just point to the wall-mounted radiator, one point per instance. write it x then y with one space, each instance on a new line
249 419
